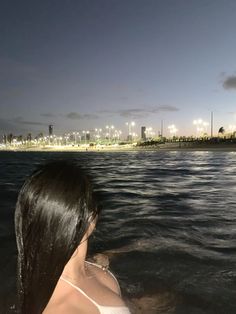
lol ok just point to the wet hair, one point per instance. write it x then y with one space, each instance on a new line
54 209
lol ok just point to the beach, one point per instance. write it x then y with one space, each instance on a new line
168 146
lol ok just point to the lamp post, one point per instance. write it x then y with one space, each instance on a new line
149 133
97 134
117 134
173 130
130 125
60 138
201 126
66 137
232 129
75 137
134 135
109 128
205 125
85 135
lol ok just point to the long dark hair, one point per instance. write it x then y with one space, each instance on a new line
54 209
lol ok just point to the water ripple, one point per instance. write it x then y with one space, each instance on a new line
168 221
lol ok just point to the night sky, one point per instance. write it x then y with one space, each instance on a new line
85 64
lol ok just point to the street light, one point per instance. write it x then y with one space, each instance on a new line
66 137
201 126
85 135
172 129
97 134
60 138
232 128
109 128
117 134
75 139
149 133
130 125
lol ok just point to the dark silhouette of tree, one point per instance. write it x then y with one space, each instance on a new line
39 136
10 138
20 138
221 130
29 137
5 139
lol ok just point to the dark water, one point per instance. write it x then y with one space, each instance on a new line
168 223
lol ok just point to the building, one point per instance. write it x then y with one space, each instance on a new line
87 136
143 133
50 130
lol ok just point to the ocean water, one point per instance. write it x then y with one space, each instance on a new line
168 226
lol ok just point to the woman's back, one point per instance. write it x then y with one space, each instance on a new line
99 293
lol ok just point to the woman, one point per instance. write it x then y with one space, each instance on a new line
55 214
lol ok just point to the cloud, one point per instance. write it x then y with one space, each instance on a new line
133 113
90 116
230 82
48 115
165 108
74 116
140 112
78 116
20 120
108 113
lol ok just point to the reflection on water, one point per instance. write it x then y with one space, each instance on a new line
168 224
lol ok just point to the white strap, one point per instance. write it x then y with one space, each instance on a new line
81 291
99 307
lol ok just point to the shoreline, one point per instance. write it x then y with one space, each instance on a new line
158 148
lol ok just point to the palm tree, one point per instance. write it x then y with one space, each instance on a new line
221 130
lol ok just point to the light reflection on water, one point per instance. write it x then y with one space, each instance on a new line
168 223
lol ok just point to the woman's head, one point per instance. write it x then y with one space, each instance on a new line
54 210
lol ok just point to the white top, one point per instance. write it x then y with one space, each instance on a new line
101 308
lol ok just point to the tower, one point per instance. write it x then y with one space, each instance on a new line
143 133
50 130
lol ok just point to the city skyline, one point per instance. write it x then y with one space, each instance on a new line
87 64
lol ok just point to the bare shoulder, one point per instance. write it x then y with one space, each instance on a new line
105 277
